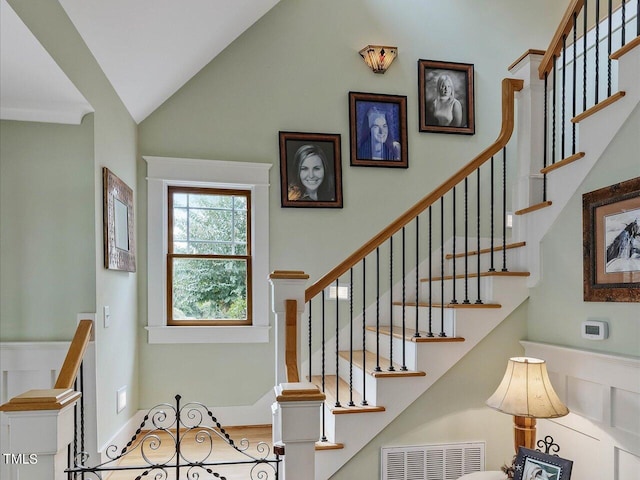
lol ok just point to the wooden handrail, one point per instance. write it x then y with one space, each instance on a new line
509 87
72 361
565 26
291 341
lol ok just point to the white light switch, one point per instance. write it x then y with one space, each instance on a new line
107 316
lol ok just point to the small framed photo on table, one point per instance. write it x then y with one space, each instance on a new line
534 465
378 130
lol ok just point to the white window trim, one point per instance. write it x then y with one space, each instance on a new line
165 171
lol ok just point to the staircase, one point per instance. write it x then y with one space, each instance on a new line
412 312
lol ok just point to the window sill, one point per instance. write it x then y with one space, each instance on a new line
208 334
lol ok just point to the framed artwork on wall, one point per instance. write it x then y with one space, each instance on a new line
534 465
378 130
445 96
118 223
611 243
310 170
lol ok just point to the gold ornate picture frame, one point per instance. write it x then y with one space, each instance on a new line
119 237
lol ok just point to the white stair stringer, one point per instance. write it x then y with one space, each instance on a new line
355 431
595 133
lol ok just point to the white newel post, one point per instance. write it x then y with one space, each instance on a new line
296 412
41 426
528 189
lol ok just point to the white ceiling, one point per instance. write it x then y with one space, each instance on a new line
148 49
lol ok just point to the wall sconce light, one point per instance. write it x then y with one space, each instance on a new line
526 393
378 57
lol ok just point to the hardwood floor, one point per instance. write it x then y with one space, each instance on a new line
160 449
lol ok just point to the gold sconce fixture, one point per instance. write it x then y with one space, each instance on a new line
378 57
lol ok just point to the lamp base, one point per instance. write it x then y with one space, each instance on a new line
524 432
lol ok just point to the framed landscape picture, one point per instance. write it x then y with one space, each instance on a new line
310 170
611 243
378 130
445 96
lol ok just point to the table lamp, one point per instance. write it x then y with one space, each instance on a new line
526 393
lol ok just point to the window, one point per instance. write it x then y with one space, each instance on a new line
205 217
209 258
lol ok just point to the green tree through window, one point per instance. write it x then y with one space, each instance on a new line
209 256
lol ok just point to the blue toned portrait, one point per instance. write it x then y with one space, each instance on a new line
378 131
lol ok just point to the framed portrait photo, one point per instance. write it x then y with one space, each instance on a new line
611 243
445 94
378 130
534 465
310 170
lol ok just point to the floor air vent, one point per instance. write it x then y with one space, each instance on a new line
432 462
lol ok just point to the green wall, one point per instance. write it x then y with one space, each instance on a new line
114 145
292 71
556 306
47 268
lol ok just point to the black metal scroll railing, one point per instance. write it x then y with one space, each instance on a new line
181 441
578 71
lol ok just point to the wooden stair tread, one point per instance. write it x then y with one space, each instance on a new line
328 446
626 48
533 208
475 275
370 364
509 246
450 305
423 338
343 390
562 163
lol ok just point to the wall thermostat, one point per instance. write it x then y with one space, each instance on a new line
595 330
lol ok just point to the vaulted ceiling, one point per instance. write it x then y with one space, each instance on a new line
148 49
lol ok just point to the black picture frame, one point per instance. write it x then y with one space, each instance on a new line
297 149
529 462
610 238
385 116
455 114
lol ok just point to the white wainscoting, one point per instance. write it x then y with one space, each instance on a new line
35 365
601 435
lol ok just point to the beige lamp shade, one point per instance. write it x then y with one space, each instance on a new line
378 57
526 391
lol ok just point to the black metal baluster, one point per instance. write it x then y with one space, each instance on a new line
478 301
453 300
584 51
417 332
324 437
391 369
310 349
597 76
554 112
442 334
337 404
563 90
377 367
404 301
430 331
466 241
574 83
609 38
545 153
82 398
351 404
624 26
364 333
491 214
504 209
178 436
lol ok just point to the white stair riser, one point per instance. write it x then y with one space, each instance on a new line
410 350
468 289
514 261
439 317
